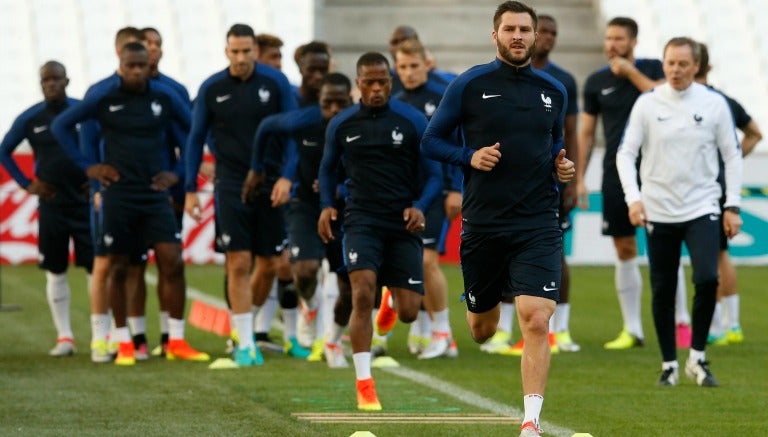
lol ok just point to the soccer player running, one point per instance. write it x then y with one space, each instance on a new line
610 92
679 128
727 295
425 94
134 115
307 127
61 187
512 118
230 104
390 185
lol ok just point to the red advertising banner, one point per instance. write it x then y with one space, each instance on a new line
18 224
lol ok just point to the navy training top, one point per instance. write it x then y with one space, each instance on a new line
379 148
231 109
522 109
133 129
613 98
52 164
426 98
306 127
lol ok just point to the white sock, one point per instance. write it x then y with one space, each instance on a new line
414 330
333 335
681 299
362 362
263 317
562 317
731 307
330 295
176 329
716 327
138 325
440 324
164 315
122 335
532 405
552 324
629 285
290 318
425 324
505 317
58 294
696 356
112 328
319 303
244 323
99 327
669 365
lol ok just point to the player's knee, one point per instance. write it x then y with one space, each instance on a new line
408 314
626 248
118 271
363 301
481 330
238 266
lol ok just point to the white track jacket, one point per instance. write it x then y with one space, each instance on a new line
679 134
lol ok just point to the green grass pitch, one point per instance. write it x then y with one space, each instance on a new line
605 393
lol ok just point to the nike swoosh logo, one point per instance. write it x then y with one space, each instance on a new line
662 118
309 143
413 281
428 240
38 129
714 217
549 289
490 96
223 98
114 108
350 139
606 91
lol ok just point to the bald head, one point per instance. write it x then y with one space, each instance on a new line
54 81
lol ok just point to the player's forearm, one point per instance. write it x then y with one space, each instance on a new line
752 136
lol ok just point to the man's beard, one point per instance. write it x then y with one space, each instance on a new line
506 54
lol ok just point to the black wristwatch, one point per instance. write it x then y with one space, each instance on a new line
733 209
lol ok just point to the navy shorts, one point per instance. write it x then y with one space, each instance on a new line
615 211
436 228
138 252
254 226
504 264
305 242
56 225
396 256
131 219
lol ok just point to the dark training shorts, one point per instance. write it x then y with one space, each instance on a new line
136 219
615 211
254 226
436 229
56 225
497 265
396 256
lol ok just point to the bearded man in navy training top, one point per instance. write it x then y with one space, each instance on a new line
512 119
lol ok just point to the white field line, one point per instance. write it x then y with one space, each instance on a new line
420 378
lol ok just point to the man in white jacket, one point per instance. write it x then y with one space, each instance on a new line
679 127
